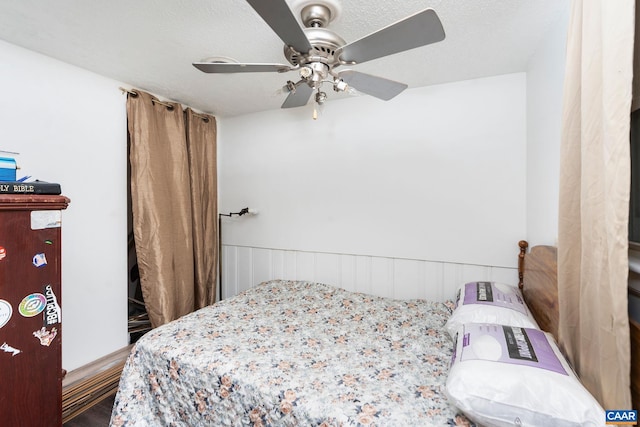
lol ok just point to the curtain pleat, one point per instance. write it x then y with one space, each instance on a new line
201 146
594 197
161 207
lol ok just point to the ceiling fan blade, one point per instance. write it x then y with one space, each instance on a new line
379 87
298 98
278 15
417 30
233 67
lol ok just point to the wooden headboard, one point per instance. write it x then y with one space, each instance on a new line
539 284
538 272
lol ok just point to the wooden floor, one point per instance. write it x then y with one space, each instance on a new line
97 416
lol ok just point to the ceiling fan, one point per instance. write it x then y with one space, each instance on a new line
314 52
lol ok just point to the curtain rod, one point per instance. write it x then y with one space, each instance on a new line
170 107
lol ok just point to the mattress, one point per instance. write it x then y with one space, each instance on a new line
293 353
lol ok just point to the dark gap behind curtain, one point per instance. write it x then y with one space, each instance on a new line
171 204
634 137
635 102
634 199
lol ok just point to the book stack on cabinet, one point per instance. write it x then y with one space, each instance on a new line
31 309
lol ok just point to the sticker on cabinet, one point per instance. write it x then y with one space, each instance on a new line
39 260
46 219
8 349
32 305
52 314
5 312
46 337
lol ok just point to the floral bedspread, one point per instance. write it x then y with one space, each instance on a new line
292 354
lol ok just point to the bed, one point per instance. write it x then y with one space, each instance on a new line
294 353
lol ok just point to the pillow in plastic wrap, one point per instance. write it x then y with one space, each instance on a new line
508 375
489 302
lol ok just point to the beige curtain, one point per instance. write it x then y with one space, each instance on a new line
174 268
201 146
594 197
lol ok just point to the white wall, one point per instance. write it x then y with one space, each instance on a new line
69 126
545 77
437 174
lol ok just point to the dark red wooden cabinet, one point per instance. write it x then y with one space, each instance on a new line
30 310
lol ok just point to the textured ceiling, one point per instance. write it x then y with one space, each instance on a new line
150 44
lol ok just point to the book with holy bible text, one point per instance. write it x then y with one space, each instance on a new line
35 187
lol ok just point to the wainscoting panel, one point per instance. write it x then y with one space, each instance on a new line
244 267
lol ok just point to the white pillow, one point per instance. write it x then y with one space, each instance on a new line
489 302
507 375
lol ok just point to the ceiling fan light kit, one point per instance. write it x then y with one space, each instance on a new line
315 51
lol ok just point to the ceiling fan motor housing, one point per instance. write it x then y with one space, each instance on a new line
324 44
